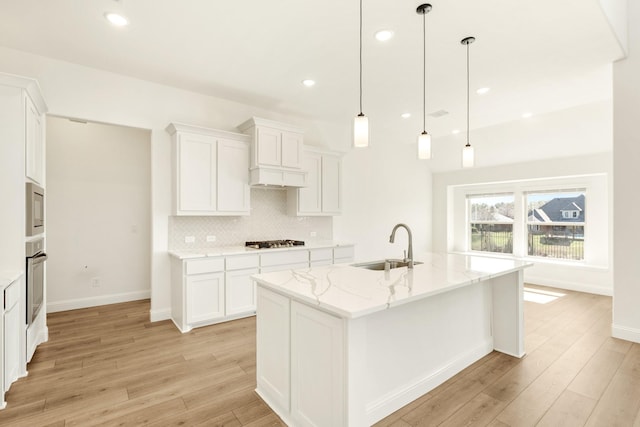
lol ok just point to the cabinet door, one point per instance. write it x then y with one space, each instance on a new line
292 149
34 143
196 173
11 334
310 197
233 176
240 291
205 297
268 146
272 347
317 377
331 180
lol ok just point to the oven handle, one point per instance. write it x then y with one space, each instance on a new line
37 259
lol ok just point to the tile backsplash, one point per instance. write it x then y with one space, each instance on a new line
268 221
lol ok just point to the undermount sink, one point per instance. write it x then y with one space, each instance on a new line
380 265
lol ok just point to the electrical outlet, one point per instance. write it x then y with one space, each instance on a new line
313 234
211 238
95 282
189 239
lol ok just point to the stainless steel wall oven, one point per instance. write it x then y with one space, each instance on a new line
35 278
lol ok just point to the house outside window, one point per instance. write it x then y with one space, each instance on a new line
555 224
491 222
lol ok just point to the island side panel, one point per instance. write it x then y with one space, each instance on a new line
317 367
412 348
508 313
273 351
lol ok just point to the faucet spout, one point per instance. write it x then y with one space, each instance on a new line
409 253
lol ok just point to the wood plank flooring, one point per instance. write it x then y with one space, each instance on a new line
109 366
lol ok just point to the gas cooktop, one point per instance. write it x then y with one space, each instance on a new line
270 244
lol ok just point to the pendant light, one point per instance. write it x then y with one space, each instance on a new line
467 152
424 139
361 122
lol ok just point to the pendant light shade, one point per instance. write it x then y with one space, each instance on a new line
424 146
424 139
361 131
361 122
468 157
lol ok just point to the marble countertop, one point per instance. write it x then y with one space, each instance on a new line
351 292
238 250
8 277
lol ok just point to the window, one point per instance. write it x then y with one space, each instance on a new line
555 224
491 222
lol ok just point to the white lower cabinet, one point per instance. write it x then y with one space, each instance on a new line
216 289
205 297
240 290
11 331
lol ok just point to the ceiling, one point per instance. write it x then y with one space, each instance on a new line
536 57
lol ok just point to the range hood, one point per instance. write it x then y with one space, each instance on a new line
277 152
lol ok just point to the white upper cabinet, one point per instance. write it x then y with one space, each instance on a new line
210 171
233 176
34 142
323 193
276 153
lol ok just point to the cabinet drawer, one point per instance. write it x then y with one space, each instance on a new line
207 265
321 254
343 253
283 258
282 267
11 295
241 262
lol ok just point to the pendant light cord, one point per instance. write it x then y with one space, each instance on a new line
424 72
468 144
361 57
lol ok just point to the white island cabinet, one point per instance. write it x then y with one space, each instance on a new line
346 346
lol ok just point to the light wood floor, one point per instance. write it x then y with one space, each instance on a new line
110 366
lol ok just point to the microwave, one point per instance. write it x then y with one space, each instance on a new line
35 209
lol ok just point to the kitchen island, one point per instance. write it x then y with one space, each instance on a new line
345 346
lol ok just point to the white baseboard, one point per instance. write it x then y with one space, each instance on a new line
54 306
158 315
396 399
570 286
625 333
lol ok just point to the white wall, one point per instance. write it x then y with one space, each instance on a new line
398 184
384 186
590 172
626 163
98 214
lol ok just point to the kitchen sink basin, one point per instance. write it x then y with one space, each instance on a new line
380 265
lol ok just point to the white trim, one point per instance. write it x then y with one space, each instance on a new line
74 304
392 401
625 333
158 315
570 286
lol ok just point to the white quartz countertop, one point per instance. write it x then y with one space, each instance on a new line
8 277
239 250
351 292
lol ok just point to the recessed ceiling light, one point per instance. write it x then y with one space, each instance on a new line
308 82
455 131
116 19
405 115
526 115
483 90
384 35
